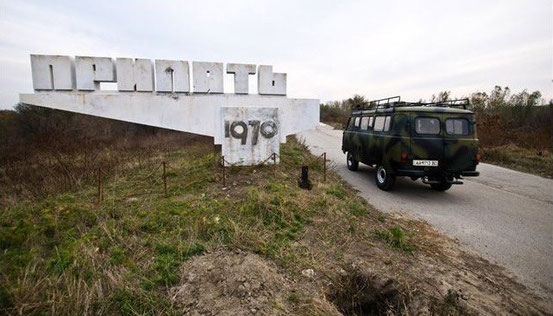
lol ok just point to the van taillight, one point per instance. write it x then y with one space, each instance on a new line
478 157
403 157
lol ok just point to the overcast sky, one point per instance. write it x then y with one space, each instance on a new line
330 49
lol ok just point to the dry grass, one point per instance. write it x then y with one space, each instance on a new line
539 162
63 254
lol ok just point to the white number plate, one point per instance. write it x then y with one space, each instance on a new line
425 163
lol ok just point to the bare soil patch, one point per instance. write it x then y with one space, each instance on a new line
228 282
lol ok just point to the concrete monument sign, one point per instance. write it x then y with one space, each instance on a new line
250 127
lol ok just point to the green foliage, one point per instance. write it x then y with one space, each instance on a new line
395 236
336 191
338 112
357 209
293 297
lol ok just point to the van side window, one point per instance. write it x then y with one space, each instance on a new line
458 126
350 123
387 123
357 120
379 123
371 119
427 125
364 123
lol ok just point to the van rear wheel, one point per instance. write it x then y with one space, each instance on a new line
384 179
353 164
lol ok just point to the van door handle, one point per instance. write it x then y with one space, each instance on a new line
449 141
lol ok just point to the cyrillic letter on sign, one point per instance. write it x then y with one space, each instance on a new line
172 76
52 72
208 77
137 75
90 71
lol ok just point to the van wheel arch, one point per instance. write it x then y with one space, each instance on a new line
384 178
352 164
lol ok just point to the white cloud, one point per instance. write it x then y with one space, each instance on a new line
330 50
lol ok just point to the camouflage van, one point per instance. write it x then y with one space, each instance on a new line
435 142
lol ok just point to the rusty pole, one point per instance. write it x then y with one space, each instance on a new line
164 178
223 163
274 163
324 166
100 193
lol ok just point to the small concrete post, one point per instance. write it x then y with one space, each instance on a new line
304 181
274 163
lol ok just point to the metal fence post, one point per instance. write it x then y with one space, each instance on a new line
164 178
324 166
223 163
100 197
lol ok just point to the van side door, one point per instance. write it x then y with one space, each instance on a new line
346 135
364 138
350 141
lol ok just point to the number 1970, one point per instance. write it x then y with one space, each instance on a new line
239 130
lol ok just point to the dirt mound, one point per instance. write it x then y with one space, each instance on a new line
231 283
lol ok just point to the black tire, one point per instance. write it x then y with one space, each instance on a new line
353 164
442 186
384 179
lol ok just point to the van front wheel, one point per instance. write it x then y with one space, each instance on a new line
384 179
353 164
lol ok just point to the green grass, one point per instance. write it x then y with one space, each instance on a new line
396 237
67 254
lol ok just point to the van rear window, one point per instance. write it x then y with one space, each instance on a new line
427 125
457 126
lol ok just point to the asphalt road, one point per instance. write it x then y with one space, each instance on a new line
504 215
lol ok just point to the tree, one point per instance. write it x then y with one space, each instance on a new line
357 101
442 96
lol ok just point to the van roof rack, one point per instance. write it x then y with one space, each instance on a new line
453 103
393 102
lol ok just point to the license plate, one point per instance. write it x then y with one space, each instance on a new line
425 163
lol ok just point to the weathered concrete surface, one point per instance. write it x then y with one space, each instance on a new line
269 82
208 77
134 74
251 135
505 215
52 72
172 76
198 114
241 74
172 106
90 71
